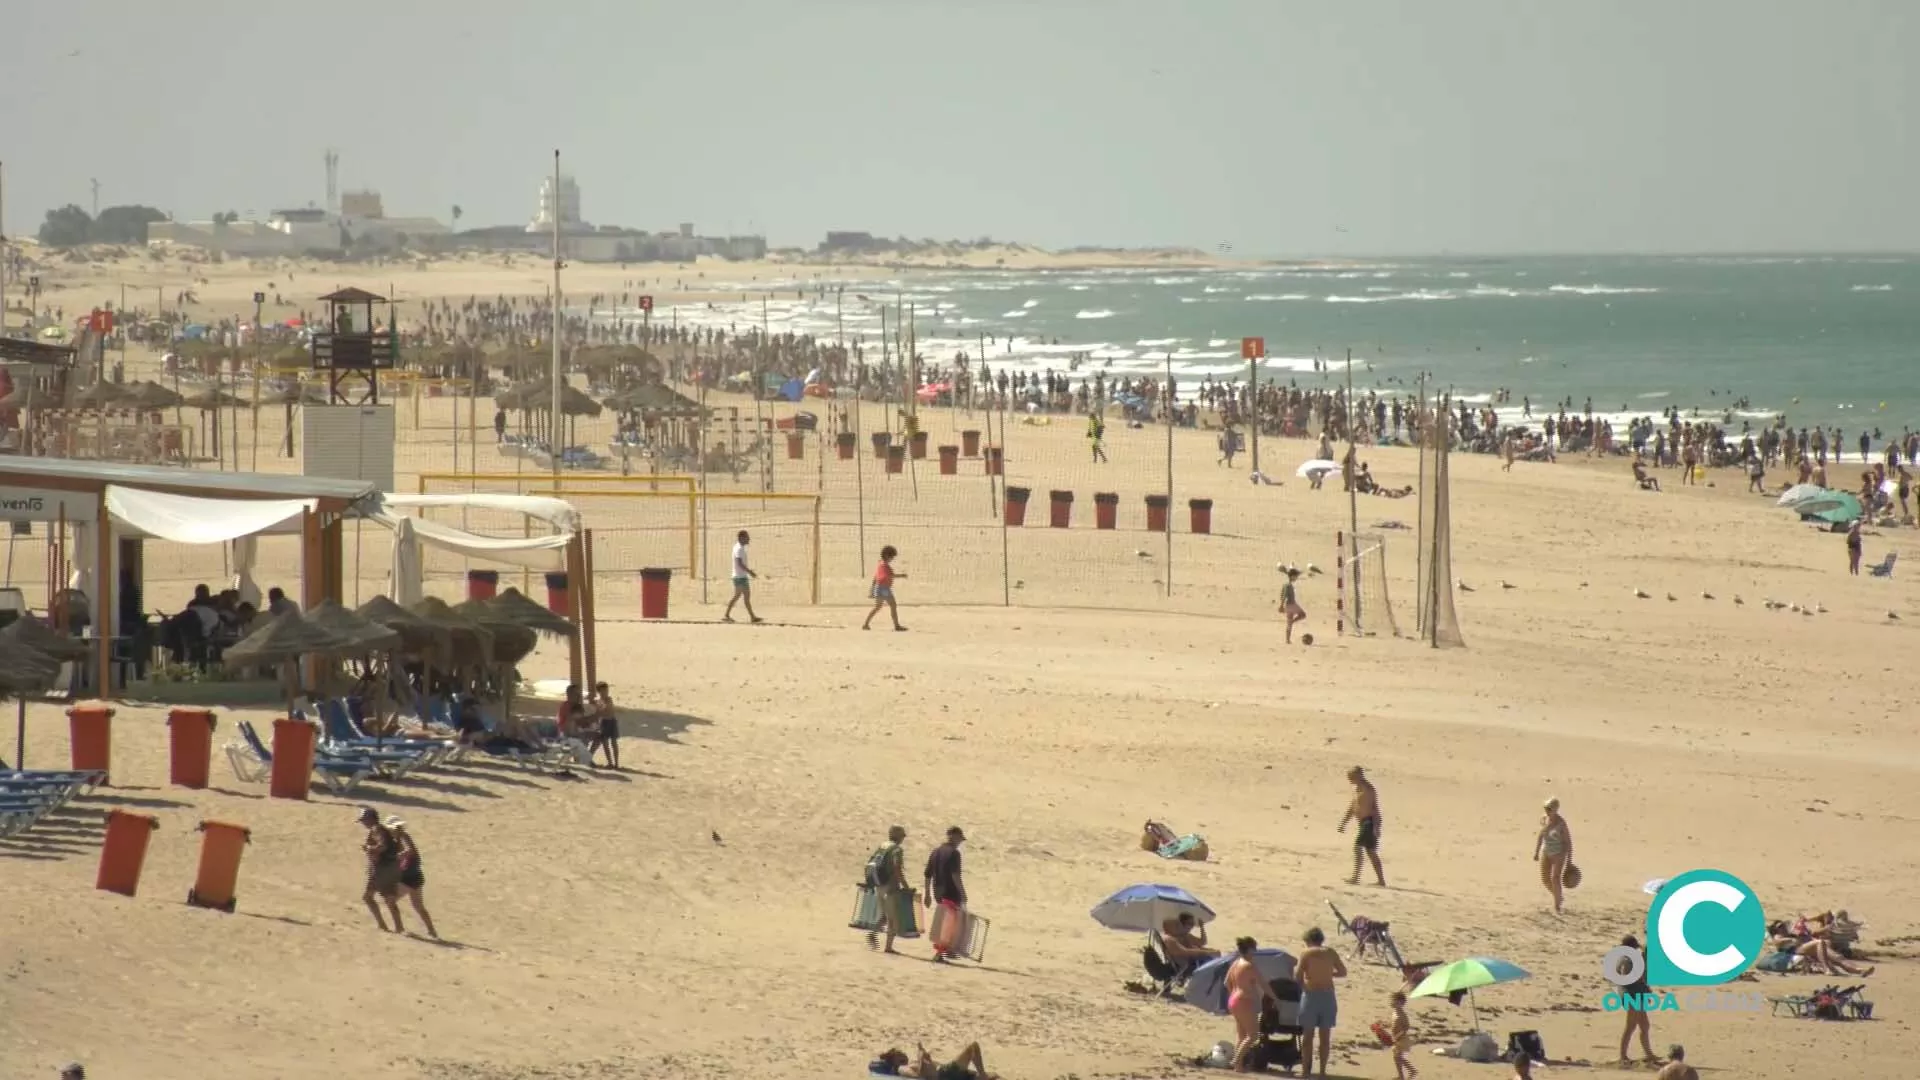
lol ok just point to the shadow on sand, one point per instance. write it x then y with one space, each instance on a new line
666 727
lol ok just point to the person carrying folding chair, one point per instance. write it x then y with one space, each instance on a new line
945 888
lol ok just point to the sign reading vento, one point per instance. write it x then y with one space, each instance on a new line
34 504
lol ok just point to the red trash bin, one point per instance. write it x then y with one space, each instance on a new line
124 851
482 584
221 846
996 462
1157 513
1060 509
292 759
896 458
90 729
1200 515
796 446
1016 506
970 444
190 740
1106 510
846 442
655 586
880 441
949 460
558 600
919 445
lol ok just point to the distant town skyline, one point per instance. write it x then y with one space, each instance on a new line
1300 128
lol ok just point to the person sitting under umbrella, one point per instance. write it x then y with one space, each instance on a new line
1185 948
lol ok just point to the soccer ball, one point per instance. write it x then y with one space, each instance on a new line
1306 639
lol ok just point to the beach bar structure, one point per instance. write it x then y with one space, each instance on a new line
109 510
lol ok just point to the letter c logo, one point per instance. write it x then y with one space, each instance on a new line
1722 911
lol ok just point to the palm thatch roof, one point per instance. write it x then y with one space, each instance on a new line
350 626
99 396
285 637
537 396
512 642
28 396
471 642
513 606
27 632
152 395
26 672
213 399
417 635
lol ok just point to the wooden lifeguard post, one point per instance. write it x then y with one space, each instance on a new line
351 351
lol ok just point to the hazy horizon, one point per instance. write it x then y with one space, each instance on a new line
1481 128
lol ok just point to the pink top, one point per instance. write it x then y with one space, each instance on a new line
883 575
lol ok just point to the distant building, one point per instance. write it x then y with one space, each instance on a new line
567 196
363 204
850 241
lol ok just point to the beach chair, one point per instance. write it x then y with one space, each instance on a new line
1368 934
1884 568
21 813
347 739
1167 973
339 776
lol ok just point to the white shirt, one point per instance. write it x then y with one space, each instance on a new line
740 560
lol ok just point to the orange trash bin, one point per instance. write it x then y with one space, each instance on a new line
1157 513
1060 509
655 584
483 584
796 446
221 846
124 851
1015 507
90 729
1106 510
190 739
1200 515
970 444
996 463
896 458
847 443
558 600
292 759
949 460
919 445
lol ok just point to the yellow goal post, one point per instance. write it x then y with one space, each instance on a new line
481 483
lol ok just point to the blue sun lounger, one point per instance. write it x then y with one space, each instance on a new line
253 763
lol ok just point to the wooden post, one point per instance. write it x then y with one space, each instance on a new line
312 583
103 603
587 605
576 574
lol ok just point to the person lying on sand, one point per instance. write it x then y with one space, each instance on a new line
1367 485
1822 959
969 1065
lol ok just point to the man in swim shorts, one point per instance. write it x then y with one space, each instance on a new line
1364 809
743 579
1318 966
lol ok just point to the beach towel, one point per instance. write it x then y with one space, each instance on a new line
1191 847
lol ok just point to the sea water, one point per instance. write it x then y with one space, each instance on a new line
1824 340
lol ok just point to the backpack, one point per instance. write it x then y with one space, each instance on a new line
880 872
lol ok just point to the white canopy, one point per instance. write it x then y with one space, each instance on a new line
185 519
556 512
533 552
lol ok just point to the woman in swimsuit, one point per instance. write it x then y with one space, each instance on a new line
1247 993
383 868
1553 847
969 1065
413 879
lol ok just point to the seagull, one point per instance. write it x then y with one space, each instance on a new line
1772 604
1893 616
1793 608
1807 611
1737 600
1641 594
1505 584
1312 569
1141 554
1671 598
1464 587
716 838
1819 607
1704 595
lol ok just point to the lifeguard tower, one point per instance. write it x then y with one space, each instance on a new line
352 350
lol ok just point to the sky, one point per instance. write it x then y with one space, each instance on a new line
1280 128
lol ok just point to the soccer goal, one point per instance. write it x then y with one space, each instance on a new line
1366 609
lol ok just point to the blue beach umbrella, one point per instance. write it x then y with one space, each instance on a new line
1832 507
1207 988
1799 493
1142 908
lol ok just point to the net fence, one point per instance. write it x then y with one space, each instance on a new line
1372 607
1439 623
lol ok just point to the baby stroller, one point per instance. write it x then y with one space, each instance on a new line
1279 1046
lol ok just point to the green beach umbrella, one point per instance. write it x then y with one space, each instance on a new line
1466 976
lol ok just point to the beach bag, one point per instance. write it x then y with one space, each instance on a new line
1778 963
1570 877
880 870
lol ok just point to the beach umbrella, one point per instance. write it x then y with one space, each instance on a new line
1833 507
1466 976
151 395
282 638
512 643
1143 908
349 626
513 606
1207 987
24 673
417 634
208 400
27 632
1799 493
99 396
26 396
1322 466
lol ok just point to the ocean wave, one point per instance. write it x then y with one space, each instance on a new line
1417 294
1195 300
1174 280
1653 395
1602 290
1031 304
1079 288
1871 288
1150 342
1271 298
1019 313
1098 313
1216 288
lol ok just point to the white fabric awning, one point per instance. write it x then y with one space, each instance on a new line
185 519
556 512
534 552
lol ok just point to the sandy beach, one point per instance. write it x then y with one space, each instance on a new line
686 917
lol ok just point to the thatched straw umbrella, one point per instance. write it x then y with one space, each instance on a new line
99 396
151 395
29 633
282 640
418 636
24 673
512 642
350 626
513 606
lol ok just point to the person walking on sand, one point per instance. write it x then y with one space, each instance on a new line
413 878
1247 994
1635 996
946 888
1319 1008
887 874
743 579
882 591
1364 810
1290 601
1402 1032
1553 847
382 852
609 723
1853 548
1097 435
